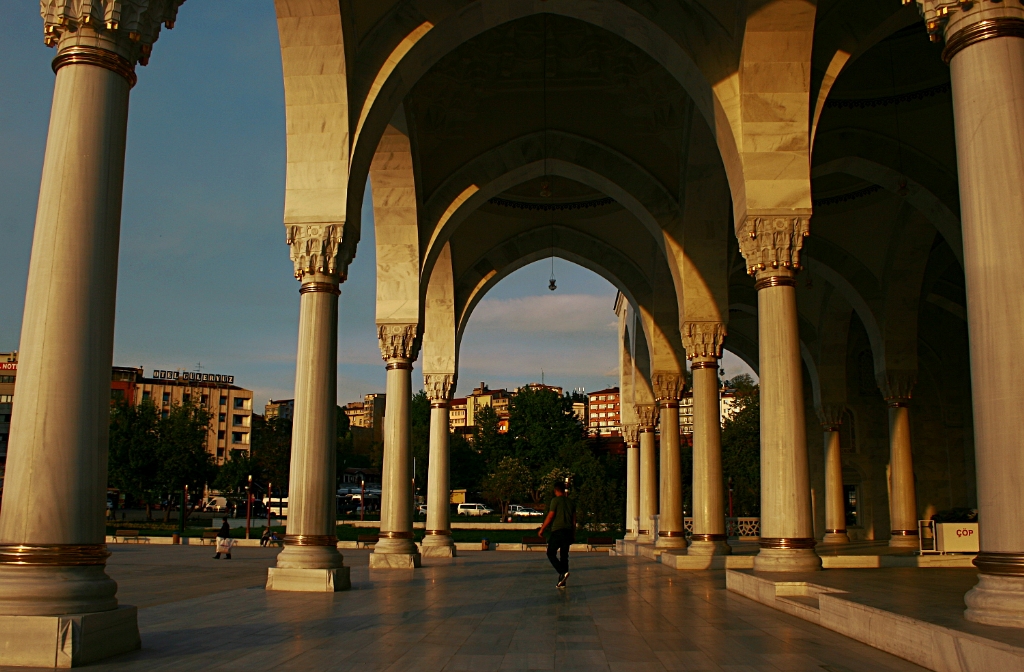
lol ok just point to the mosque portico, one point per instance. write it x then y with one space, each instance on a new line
829 190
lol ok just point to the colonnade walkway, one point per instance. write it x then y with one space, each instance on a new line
480 612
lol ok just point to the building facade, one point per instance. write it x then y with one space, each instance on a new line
279 408
366 417
464 410
603 412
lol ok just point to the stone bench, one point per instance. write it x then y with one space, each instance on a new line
130 535
594 542
366 540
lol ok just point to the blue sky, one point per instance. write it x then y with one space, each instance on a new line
204 274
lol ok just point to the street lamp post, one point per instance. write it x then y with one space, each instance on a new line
362 499
248 506
269 502
181 512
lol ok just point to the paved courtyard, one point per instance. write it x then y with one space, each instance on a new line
487 611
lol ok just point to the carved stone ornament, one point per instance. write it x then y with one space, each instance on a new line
938 13
647 415
397 341
897 384
631 434
438 386
316 248
773 241
132 24
831 416
668 385
703 339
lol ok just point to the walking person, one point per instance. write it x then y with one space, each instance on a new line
561 519
224 541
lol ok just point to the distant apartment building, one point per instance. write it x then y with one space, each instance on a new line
579 409
8 372
541 386
230 405
603 412
463 411
279 408
367 415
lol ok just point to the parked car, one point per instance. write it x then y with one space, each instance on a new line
525 511
216 504
421 509
474 510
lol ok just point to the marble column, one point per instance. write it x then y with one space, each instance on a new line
985 52
52 552
647 416
703 342
437 540
902 493
396 548
835 504
668 389
631 436
310 560
771 245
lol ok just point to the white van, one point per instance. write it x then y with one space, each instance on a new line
474 510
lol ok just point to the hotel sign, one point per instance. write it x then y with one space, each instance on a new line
8 366
193 376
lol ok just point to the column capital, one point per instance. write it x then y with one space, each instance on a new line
703 339
316 248
966 22
438 386
772 241
398 341
127 28
897 385
831 416
647 417
631 434
668 385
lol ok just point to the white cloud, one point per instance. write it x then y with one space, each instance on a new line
561 313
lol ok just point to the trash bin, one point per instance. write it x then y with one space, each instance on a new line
175 539
485 544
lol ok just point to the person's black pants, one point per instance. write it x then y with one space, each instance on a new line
560 540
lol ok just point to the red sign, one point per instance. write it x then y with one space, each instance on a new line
8 366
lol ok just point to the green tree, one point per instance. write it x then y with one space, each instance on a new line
133 461
271 450
233 475
182 455
595 486
466 463
489 442
419 436
741 450
510 480
541 422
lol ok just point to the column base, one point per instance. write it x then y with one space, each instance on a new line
787 560
437 546
671 542
904 540
69 640
310 557
840 537
996 600
709 548
308 580
394 560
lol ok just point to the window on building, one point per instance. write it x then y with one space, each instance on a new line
5 417
205 399
223 401
164 414
238 420
3 437
239 402
220 452
146 394
220 434
222 417
185 398
117 395
6 398
850 500
6 379
167 397
236 437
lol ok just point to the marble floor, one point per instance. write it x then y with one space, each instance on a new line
485 611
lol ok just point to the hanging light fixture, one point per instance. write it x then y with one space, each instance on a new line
551 281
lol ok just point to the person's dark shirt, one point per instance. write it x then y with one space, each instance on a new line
225 531
563 510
